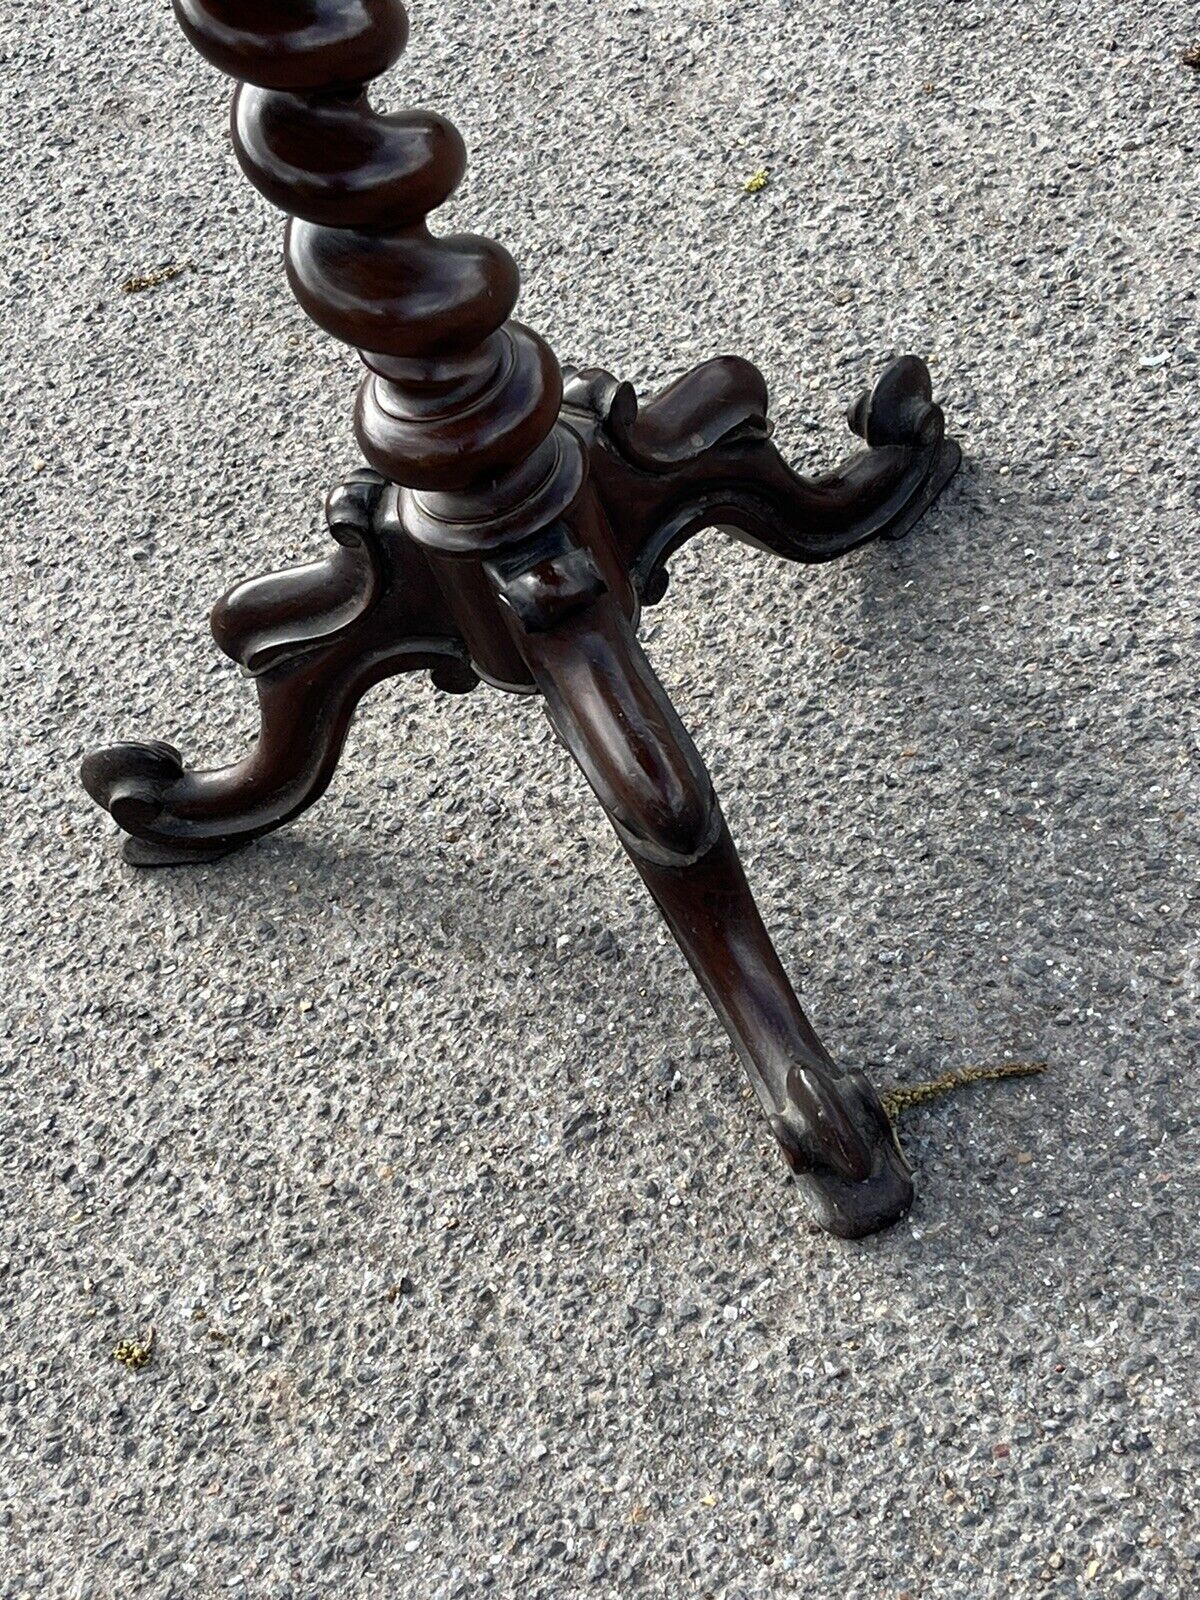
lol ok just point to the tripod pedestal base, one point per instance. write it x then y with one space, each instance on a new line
557 614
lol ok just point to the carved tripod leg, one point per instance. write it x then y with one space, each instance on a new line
314 639
700 455
614 717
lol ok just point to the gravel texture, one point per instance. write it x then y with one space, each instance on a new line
471 1267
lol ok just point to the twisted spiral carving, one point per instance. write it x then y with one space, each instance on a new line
461 403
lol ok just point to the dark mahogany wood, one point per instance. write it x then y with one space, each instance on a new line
509 528
614 717
314 639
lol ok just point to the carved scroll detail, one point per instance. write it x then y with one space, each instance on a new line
700 455
314 639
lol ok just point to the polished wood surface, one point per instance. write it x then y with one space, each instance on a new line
612 714
509 528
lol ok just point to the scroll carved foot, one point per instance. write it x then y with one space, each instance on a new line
869 1186
314 639
612 714
700 455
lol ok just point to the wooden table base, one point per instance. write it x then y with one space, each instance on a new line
510 527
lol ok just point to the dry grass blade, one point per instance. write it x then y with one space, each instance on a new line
904 1098
157 275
